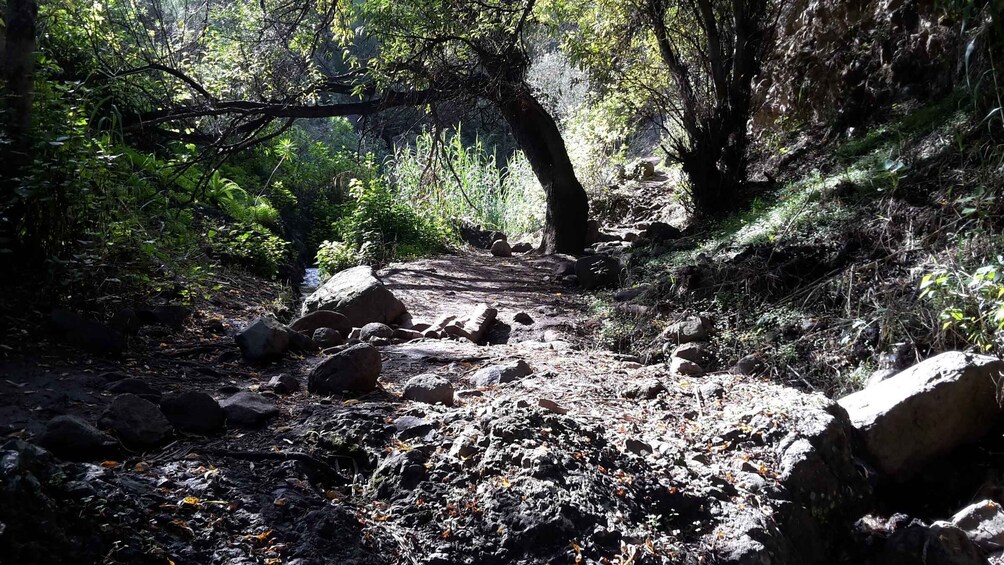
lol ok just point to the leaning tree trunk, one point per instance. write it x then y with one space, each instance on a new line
540 140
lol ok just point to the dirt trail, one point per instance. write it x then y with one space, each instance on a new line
589 457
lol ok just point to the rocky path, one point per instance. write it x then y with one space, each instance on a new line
547 448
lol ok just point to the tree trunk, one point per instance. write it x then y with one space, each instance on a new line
540 140
18 72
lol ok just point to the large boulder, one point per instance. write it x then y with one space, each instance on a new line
193 412
322 319
136 421
71 437
927 410
248 408
598 271
354 369
358 295
264 339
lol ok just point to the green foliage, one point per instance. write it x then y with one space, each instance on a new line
252 247
970 303
380 227
450 181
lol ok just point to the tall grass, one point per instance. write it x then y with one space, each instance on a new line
442 176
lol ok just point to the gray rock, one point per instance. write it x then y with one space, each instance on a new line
313 321
659 232
322 319
498 374
375 329
71 437
938 544
429 388
135 386
501 248
691 328
927 410
683 367
136 421
283 384
193 412
597 271
695 352
86 334
523 318
711 391
983 523
749 365
407 334
248 408
626 294
637 447
354 369
357 294
475 325
327 337
265 339
644 390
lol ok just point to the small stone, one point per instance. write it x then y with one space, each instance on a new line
691 328
138 387
429 388
711 391
749 365
660 232
71 437
193 412
695 352
501 248
645 390
407 334
248 408
637 447
412 426
682 367
523 318
136 421
327 337
375 329
552 406
498 374
283 384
